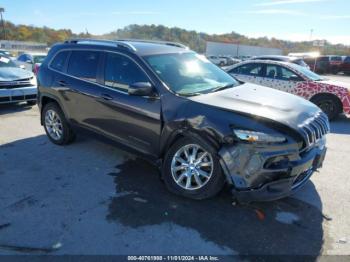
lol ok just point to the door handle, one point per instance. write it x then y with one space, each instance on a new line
62 83
106 97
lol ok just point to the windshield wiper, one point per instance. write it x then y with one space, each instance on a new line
219 88
190 94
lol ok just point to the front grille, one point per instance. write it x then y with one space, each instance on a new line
302 178
16 84
314 128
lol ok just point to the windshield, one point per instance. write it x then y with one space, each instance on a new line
307 73
190 73
39 59
300 62
6 62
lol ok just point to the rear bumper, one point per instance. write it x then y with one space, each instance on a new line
15 95
259 178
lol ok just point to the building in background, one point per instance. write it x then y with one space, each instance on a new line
237 50
20 46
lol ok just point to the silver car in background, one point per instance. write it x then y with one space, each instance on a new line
16 84
31 61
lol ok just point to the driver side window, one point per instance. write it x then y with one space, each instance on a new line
281 73
121 71
289 75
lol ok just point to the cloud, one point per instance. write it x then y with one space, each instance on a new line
335 17
285 2
273 12
38 12
135 13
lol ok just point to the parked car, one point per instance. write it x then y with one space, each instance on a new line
335 63
230 60
31 61
217 60
290 59
173 106
325 64
332 97
6 54
16 84
346 65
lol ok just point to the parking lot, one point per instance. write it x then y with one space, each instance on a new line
93 198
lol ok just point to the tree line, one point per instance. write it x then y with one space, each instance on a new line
195 40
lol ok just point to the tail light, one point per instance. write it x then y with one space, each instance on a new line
36 69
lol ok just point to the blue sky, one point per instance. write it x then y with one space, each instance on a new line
284 19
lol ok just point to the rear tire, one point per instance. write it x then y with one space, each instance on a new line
329 105
204 175
56 126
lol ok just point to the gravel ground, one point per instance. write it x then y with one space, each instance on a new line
93 198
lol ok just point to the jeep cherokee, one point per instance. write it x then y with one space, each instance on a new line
201 125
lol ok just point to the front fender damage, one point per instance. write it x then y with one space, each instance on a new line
267 172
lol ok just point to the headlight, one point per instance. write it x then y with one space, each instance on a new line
252 136
33 81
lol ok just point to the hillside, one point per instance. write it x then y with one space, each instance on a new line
195 40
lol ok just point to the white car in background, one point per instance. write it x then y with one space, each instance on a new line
331 96
217 60
31 61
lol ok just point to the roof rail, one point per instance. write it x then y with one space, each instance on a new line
155 42
100 41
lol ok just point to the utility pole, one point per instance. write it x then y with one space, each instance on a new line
2 10
311 33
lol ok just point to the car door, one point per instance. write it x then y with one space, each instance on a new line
79 87
135 120
280 77
248 72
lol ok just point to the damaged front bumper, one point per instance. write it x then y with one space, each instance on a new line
266 172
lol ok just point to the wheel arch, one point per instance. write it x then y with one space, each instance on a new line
46 99
189 133
325 94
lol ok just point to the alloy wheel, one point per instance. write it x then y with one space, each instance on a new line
192 167
53 124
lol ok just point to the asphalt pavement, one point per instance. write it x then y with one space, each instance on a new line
91 197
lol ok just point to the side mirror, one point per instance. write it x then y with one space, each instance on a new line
29 61
22 66
141 89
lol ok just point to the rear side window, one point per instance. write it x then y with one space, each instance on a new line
120 72
347 59
59 61
248 69
83 64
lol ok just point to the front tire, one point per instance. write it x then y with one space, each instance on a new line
191 169
329 105
56 125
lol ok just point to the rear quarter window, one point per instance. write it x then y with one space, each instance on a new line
59 61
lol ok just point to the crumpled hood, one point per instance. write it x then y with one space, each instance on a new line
262 101
14 73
